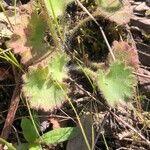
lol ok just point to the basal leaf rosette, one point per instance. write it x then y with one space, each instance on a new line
43 88
118 84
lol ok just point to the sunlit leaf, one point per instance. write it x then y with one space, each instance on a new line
118 84
57 67
28 38
58 135
56 7
43 86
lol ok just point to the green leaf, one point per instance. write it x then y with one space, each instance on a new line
125 53
43 87
57 67
110 5
58 135
29 131
36 30
118 84
56 7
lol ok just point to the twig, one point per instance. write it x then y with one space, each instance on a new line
91 17
109 110
141 75
101 127
100 27
139 142
12 109
132 128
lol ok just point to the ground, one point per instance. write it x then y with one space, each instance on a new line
125 126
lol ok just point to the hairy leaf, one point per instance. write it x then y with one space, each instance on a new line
43 86
58 135
110 5
117 85
28 38
57 67
116 11
42 93
29 131
56 7
126 53
36 32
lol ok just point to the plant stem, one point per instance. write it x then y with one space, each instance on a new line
9 145
78 118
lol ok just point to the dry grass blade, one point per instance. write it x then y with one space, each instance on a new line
132 128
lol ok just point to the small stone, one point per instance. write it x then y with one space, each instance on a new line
148 3
141 8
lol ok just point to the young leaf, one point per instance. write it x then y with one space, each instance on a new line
28 129
58 135
118 84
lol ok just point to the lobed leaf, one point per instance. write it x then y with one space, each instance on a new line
43 86
126 53
110 5
28 38
118 84
116 11
57 67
